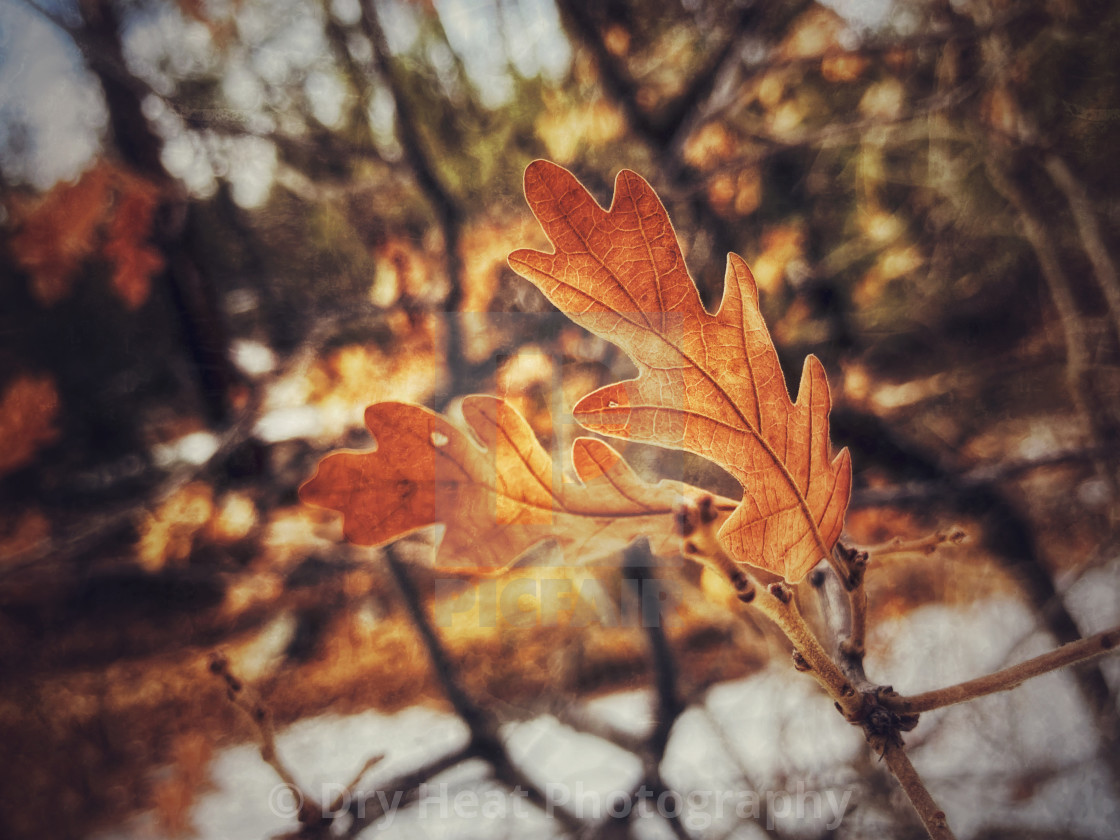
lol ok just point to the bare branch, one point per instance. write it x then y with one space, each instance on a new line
1090 231
987 476
443 203
401 790
485 742
258 714
932 817
1009 678
638 567
922 545
776 602
1058 283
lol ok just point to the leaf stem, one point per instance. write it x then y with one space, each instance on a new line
1008 678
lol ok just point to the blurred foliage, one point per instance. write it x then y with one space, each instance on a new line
288 197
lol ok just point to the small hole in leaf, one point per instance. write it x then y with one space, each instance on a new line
612 404
439 439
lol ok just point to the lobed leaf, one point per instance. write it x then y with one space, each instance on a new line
497 493
709 384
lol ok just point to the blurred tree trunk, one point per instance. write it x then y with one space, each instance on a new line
193 294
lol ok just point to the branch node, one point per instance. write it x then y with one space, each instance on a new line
686 518
881 724
706 507
852 650
780 591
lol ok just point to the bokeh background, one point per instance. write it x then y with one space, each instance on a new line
230 225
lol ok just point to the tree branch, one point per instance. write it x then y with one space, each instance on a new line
777 603
443 203
310 811
485 742
1092 241
366 811
1008 678
932 817
637 567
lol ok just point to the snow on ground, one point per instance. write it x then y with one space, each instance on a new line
769 747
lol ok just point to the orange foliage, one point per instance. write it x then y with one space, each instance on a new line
883 100
524 381
495 502
107 211
56 235
814 33
134 261
173 795
236 516
402 268
342 383
780 245
1000 111
567 131
167 534
28 409
737 192
484 248
617 40
846 67
710 144
709 384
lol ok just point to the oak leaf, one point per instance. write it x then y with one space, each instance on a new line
497 494
708 384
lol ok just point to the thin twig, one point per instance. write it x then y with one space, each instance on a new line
1008 678
1058 283
347 792
443 203
638 567
472 715
400 791
1092 241
922 545
258 714
697 525
777 603
932 817
485 742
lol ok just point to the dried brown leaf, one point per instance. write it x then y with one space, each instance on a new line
497 494
709 384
